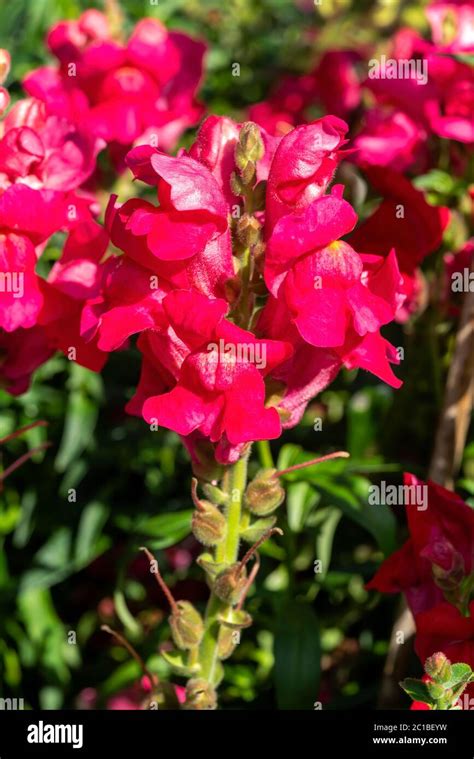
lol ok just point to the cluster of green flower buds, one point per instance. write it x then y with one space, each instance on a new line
444 685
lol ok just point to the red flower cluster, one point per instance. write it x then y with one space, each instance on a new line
435 571
142 90
399 105
232 347
43 161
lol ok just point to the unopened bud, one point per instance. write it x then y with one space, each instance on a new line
435 690
248 230
187 626
230 584
226 642
208 523
249 173
236 184
264 494
250 142
200 695
438 667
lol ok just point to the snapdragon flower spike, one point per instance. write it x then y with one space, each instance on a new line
187 627
217 368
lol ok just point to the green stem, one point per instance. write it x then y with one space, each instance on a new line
265 454
234 484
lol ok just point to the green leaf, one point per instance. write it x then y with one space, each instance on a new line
93 518
460 673
300 500
86 392
297 651
417 690
349 497
81 419
164 530
325 538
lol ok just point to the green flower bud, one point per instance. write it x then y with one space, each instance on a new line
227 642
248 230
249 173
264 494
236 184
435 690
438 667
250 142
187 626
230 584
200 695
208 524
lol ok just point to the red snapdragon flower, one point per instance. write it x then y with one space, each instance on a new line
74 282
390 138
442 535
404 221
184 244
335 297
21 353
220 390
121 92
44 151
433 569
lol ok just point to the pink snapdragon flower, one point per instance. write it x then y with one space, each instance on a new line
122 92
